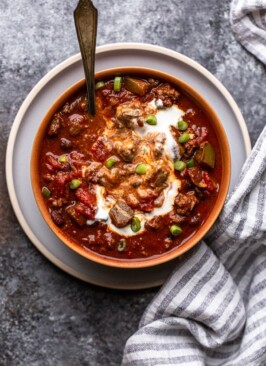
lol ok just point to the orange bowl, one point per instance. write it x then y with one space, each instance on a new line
225 170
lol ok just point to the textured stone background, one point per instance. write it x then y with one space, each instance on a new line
47 317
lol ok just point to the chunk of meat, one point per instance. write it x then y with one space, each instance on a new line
153 82
126 146
146 194
159 175
102 148
121 214
184 203
57 217
129 115
65 144
109 177
54 127
76 216
154 224
91 172
137 86
175 218
158 202
157 140
77 159
131 200
146 206
75 124
195 220
196 176
167 94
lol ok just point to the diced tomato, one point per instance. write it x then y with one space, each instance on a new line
77 159
89 212
146 207
86 197
52 161
208 181
101 149
59 183
203 136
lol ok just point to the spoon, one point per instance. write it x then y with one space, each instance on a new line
86 16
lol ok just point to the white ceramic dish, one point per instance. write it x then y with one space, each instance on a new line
31 114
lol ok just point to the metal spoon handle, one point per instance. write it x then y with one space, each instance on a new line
86 17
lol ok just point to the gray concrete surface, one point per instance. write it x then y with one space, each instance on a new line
47 317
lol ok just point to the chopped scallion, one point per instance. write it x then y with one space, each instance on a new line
117 83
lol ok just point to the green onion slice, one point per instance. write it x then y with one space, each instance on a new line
182 125
135 224
175 230
179 165
151 120
184 138
190 163
117 83
110 163
122 245
141 169
74 184
46 192
99 85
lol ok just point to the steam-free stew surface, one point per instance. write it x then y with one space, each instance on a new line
137 179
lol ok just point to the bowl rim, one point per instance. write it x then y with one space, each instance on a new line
200 233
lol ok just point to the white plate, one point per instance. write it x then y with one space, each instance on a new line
35 107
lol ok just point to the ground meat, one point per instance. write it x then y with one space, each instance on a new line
131 200
57 202
75 216
196 176
175 218
167 94
57 217
153 82
189 148
146 194
184 203
159 175
90 173
195 220
154 224
121 214
76 124
54 126
109 177
157 140
129 115
126 147
48 177
65 144
199 193
159 201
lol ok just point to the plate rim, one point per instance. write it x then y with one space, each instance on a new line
34 92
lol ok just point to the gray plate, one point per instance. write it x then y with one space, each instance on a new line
35 107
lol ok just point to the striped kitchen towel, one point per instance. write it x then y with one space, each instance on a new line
212 310
248 21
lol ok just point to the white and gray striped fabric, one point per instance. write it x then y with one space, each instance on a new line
212 310
248 21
